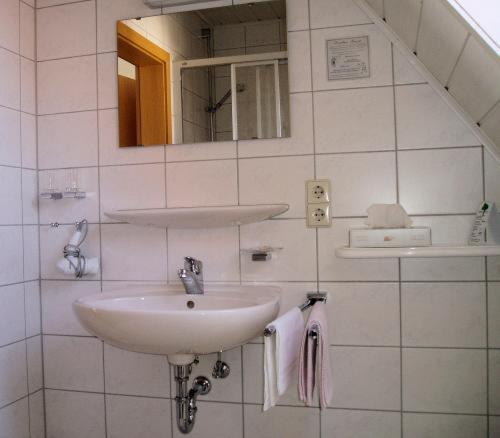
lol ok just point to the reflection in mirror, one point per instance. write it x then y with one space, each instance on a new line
199 76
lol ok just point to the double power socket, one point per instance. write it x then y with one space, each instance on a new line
318 203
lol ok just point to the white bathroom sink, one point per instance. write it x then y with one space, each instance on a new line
169 321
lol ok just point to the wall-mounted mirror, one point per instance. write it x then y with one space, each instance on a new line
207 75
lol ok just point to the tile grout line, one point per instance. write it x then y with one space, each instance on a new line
315 174
99 213
486 291
23 250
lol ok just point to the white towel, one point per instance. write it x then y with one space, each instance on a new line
281 355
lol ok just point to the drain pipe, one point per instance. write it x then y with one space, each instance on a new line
185 400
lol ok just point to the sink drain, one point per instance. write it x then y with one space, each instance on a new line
190 304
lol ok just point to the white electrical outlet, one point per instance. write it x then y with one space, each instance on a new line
318 215
318 191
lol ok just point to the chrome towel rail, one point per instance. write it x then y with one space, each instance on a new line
312 298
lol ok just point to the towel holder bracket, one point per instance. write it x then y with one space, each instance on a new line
312 298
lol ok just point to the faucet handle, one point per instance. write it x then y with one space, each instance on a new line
193 265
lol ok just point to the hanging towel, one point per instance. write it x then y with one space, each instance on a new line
281 355
314 366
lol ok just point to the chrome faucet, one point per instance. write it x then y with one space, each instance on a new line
192 276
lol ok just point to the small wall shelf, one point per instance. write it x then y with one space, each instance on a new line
346 252
199 217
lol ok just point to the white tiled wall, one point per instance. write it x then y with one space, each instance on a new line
409 338
21 380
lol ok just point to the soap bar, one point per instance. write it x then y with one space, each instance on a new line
389 237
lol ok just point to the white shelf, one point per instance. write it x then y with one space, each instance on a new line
346 252
198 217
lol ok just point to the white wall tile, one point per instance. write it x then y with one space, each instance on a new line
492 178
56 85
490 124
136 417
28 86
440 181
493 268
217 248
10 196
136 373
10 139
403 17
73 363
327 13
358 180
12 327
74 414
52 242
67 140
404 72
57 300
297 15
201 183
110 153
332 268
109 12
440 426
443 314
11 258
295 262
301 139
299 61
475 83
261 33
27 26
445 230
9 72
494 315
276 181
133 253
363 313
494 382
107 72
451 381
366 377
201 151
35 367
32 306
13 376
123 187
70 210
37 415
380 57
30 196
280 421
437 24
28 140
66 30
424 120
9 25
352 424
229 37
354 120
31 253
210 417
15 419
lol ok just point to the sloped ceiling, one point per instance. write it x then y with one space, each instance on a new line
454 54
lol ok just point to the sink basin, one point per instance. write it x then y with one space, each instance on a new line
168 321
